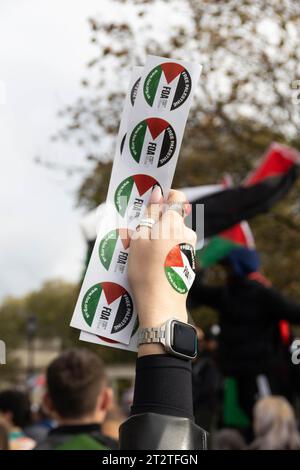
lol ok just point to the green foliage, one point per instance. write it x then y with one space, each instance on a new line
53 305
91 194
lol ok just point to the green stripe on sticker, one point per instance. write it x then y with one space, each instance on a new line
90 302
176 281
122 195
136 140
107 247
151 84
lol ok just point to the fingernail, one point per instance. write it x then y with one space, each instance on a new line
187 208
156 195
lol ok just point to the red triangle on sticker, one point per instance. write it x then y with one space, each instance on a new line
156 126
174 258
171 70
143 183
112 291
124 237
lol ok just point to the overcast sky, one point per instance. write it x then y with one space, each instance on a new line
44 46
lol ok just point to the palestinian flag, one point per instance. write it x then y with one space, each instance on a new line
269 183
224 208
278 161
219 247
238 236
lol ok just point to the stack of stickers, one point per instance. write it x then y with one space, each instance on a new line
150 134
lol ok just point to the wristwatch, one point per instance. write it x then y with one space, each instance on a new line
179 339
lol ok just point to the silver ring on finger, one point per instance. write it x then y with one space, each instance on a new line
147 222
177 207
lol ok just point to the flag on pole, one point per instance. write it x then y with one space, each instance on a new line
268 184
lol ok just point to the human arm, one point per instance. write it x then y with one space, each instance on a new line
281 306
162 414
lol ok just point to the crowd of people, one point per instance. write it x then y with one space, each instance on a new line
78 412
248 355
237 394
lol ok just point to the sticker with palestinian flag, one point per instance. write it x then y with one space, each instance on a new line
180 267
168 85
132 193
153 142
113 249
107 306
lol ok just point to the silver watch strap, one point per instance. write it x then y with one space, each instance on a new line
152 335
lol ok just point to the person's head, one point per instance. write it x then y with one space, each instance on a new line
240 262
77 390
228 439
275 424
14 408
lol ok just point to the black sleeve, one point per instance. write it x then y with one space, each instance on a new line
162 411
204 295
281 307
163 385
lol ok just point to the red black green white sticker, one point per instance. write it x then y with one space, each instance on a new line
153 142
113 249
101 301
132 193
168 85
180 267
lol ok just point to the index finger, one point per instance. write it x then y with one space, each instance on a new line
152 213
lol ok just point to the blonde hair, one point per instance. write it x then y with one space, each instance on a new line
275 425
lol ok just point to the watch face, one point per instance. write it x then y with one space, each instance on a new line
184 339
